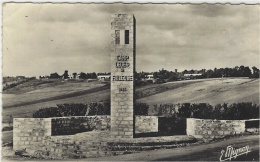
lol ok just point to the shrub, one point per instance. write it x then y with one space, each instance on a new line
202 110
184 110
141 109
47 112
167 110
99 109
80 109
72 109
235 111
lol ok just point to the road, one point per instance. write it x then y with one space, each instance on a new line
199 152
203 152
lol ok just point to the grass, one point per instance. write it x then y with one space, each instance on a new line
33 92
212 91
26 99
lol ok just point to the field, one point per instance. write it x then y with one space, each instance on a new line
25 99
211 91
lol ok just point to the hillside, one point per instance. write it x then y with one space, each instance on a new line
24 100
211 91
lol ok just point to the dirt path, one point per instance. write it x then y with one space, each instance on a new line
203 152
199 152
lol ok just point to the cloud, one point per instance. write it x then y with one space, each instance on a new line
42 38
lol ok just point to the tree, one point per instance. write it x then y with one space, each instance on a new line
74 75
255 72
209 73
83 75
247 72
66 75
54 75
93 75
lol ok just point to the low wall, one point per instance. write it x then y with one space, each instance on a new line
78 124
39 136
146 124
172 126
207 128
30 132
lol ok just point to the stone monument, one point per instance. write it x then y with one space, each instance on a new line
122 75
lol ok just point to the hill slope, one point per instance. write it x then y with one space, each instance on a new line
23 101
212 91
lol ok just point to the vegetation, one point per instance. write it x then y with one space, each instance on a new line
141 108
65 75
235 111
12 84
255 73
54 76
163 76
90 109
88 75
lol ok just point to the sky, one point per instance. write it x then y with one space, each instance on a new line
39 39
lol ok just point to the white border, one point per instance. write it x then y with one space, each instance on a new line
142 1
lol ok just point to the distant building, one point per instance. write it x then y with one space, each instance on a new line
104 77
149 77
189 75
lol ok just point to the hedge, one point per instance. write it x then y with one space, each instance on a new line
235 111
80 109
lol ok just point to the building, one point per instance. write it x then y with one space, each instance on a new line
149 77
104 77
190 75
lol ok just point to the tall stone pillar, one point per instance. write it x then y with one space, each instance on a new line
122 75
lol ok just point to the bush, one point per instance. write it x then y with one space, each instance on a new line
79 109
202 111
184 110
73 110
47 112
235 111
141 109
167 110
99 109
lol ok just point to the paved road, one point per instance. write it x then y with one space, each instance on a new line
203 152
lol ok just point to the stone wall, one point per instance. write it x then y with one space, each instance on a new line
73 125
30 132
146 124
43 137
172 125
77 124
207 128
